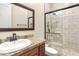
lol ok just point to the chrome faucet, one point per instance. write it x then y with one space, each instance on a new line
13 38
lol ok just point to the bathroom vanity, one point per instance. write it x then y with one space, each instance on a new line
37 48
36 51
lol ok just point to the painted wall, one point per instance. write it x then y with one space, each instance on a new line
39 18
39 23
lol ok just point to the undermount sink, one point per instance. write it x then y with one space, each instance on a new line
12 46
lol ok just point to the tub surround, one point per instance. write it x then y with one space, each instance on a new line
36 48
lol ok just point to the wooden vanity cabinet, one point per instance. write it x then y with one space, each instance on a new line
41 50
37 51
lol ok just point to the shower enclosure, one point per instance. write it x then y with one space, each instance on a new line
62 30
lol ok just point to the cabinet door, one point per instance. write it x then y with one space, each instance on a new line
32 52
42 50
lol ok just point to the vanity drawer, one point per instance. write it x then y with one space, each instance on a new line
33 52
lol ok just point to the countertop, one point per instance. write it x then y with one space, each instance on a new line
35 42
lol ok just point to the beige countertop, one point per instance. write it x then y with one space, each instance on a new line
35 42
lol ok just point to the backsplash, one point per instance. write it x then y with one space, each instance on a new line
4 35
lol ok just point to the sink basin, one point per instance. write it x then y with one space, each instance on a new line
12 46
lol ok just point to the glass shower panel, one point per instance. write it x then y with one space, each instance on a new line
53 23
54 31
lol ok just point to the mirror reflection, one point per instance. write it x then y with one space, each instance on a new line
16 16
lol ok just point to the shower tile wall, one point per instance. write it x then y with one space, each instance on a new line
71 30
66 36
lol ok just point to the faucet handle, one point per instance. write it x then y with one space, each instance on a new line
0 41
7 39
11 39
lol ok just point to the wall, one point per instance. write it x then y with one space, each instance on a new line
39 18
39 23
54 6
71 29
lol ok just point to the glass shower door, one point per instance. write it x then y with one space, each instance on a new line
62 31
54 31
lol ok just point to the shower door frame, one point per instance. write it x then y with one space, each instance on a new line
53 12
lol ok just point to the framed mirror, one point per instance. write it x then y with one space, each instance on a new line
16 16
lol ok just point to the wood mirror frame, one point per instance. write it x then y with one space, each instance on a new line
20 29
